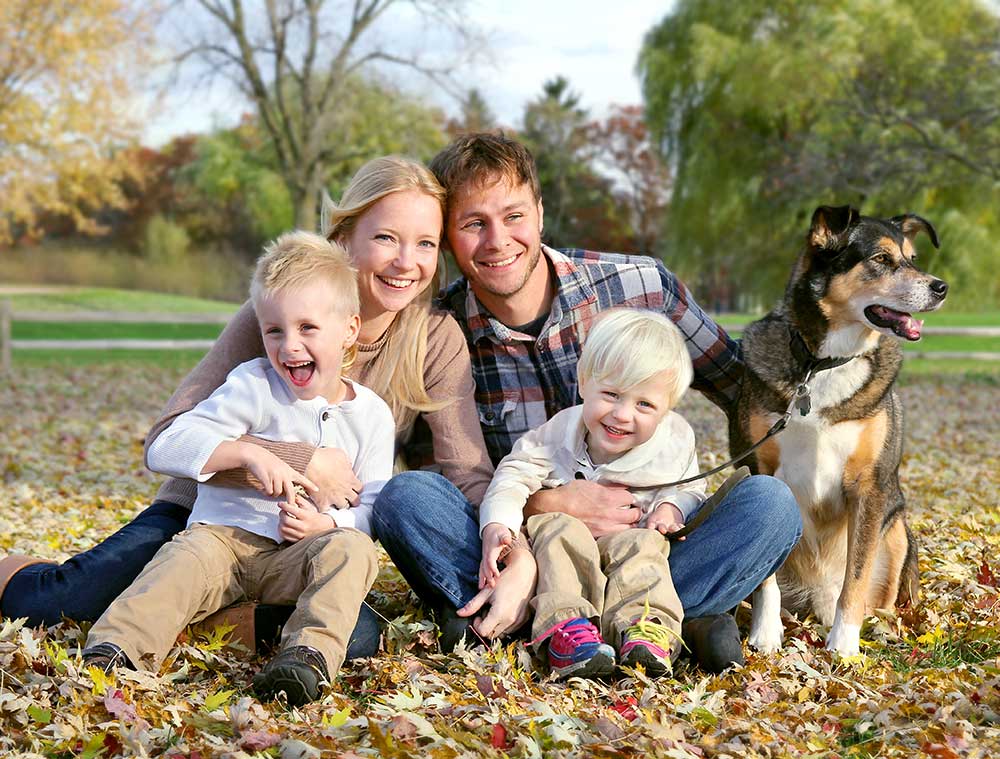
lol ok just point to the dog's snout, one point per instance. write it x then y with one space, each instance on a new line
939 287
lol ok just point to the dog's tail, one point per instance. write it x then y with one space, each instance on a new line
909 576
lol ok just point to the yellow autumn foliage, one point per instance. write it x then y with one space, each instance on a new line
69 73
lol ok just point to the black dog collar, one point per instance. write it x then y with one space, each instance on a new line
807 360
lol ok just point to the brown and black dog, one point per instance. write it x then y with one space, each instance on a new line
849 298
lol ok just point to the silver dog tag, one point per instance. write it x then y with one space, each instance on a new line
802 402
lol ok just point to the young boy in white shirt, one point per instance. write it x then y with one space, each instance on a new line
632 371
273 546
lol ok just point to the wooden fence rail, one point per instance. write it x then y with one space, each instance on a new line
8 316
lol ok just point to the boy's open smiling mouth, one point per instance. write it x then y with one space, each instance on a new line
300 372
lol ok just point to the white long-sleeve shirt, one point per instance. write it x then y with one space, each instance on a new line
556 453
254 400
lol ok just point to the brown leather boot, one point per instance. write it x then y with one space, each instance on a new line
257 626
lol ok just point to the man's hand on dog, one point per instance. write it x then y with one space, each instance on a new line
666 518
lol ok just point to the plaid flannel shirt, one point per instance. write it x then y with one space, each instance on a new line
522 381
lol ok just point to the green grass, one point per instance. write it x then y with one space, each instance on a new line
973 647
40 359
963 343
108 299
976 371
113 331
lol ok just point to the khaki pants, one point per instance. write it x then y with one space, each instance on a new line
208 567
608 580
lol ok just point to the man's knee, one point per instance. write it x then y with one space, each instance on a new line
768 508
398 496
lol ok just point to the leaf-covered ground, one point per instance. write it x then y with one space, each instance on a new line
928 683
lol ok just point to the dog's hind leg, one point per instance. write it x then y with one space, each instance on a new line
890 566
766 629
909 579
862 547
865 499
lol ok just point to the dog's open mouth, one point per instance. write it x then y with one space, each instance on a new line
900 322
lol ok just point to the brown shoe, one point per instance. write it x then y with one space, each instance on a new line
299 672
13 563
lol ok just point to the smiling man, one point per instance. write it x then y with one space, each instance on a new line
526 310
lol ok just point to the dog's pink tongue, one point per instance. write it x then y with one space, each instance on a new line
910 327
900 322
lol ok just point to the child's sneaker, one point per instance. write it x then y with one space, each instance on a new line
650 644
576 648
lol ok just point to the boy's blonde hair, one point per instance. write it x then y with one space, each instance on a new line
299 258
627 346
397 372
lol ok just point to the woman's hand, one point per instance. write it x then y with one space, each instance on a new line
508 598
302 519
495 537
337 486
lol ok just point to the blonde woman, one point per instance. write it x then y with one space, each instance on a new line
390 220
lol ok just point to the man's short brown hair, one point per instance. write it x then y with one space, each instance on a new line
481 158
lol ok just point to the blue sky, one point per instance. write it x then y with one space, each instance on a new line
593 44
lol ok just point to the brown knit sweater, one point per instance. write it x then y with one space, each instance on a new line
458 446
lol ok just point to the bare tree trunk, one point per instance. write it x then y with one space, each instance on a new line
293 68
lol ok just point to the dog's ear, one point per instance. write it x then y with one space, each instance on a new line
829 225
911 225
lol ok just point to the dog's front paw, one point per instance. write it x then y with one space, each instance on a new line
766 633
766 630
844 639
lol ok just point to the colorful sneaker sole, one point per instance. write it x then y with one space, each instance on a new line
601 664
639 653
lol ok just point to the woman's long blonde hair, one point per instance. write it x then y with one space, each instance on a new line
397 372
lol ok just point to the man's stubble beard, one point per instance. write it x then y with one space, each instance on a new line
533 262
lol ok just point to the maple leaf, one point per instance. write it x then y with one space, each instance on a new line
258 740
214 700
938 751
39 715
490 687
402 729
114 702
608 729
498 736
985 575
626 708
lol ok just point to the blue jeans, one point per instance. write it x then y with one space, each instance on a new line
82 587
431 532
